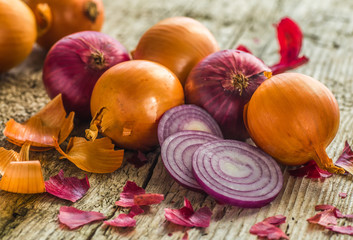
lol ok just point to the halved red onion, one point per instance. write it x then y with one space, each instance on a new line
237 173
176 154
186 117
222 83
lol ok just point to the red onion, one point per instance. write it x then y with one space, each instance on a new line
237 173
222 84
74 64
186 117
176 154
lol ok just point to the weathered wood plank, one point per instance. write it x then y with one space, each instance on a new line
327 26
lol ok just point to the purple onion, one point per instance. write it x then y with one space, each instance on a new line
237 173
176 154
186 117
75 63
222 84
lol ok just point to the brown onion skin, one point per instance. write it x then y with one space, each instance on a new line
18 33
210 86
178 43
68 16
134 95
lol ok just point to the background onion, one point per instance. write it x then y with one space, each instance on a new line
222 84
18 33
186 117
176 154
129 99
178 43
74 65
65 17
237 173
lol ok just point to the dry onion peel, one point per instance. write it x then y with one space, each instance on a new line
21 175
40 128
7 156
96 156
293 118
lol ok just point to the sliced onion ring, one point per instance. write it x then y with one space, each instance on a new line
237 173
177 151
186 117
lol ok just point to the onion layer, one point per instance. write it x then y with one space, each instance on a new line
294 117
237 173
186 117
74 65
222 84
176 154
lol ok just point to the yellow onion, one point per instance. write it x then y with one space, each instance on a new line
178 43
293 118
128 101
17 33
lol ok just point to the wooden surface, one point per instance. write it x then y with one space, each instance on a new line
328 38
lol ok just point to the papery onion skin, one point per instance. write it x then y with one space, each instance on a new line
222 84
131 97
69 16
294 117
75 63
18 33
178 43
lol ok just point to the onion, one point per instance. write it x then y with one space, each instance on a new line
176 153
222 84
178 43
56 19
74 65
18 33
294 117
128 101
237 173
186 117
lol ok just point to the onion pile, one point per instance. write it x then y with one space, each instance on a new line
186 117
75 63
222 84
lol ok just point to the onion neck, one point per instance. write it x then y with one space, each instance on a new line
97 60
236 83
324 162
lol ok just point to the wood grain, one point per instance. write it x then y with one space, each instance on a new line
327 26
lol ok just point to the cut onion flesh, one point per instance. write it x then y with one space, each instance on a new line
186 117
177 151
237 173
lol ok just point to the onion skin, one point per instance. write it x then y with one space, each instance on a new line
75 63
178 43
130 98
18 33
222 84
293 118
67 17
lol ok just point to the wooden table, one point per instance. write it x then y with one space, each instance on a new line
328 42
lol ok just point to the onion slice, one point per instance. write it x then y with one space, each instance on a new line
237 173
186 117
177 151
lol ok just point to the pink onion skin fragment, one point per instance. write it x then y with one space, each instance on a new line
342 229
267 230
345 160
148 199
237 173
176 154
310 170
74 218
122 220
342 195
70 188
187 217
186 117
127 195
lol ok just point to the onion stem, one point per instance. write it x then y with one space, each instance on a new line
324 162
